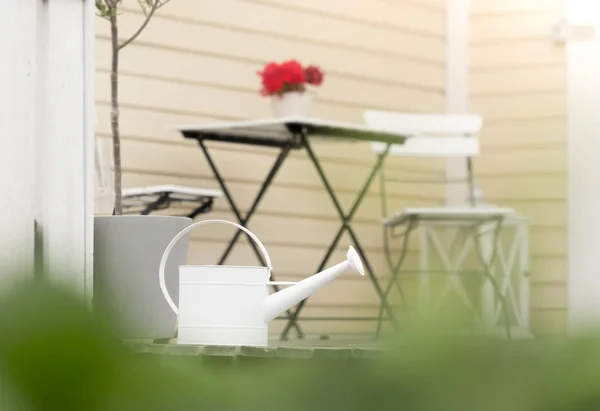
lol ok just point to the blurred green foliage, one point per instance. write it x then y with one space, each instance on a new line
56 355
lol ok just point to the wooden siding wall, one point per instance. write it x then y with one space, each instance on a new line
518 85
197 61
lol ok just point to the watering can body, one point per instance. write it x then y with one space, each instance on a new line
222 305
231 305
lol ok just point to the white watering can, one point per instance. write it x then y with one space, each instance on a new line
229 305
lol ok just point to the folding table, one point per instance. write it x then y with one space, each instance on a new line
145 200
286 134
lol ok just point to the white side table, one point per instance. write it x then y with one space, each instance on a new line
486 246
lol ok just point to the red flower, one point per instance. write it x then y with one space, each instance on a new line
288 76
292 72
272 80
314 75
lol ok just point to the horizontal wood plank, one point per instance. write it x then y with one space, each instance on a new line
542 213
439 4
549 296
538 53
524 187
548 160
260 48
479 7
550 241
516 134
198 69
519 81
521 106
513 27
394 14
549 322
252 17
549 270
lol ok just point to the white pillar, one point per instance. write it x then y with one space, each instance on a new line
583 101
47 137
17 135
457 88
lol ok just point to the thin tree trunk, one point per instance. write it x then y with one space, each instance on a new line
114 114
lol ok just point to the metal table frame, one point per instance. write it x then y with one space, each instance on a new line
300 131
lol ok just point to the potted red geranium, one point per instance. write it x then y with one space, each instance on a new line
286 84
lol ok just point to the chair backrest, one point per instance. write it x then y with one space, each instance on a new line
431 135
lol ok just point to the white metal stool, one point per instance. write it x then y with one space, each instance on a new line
490 243
476 229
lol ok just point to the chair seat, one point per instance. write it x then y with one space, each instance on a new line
449 214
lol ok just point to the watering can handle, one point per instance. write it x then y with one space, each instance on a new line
165 256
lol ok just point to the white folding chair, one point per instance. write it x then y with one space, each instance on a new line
452 136
432 135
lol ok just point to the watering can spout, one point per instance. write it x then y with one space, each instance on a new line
282 300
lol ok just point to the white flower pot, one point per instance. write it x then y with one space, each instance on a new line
127 253
291 104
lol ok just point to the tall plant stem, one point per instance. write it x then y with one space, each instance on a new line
114 113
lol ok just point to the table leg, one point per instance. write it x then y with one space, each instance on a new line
263 189
346 219
394 271
276 166
488 264
205 207
163 199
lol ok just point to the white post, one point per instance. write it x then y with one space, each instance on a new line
17 136
47 137
66 140
457 88
583 100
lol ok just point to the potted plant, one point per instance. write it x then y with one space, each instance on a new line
286 84
128 248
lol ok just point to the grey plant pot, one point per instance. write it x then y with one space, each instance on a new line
127 253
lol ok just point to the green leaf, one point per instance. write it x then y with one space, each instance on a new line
102 8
